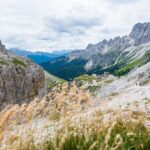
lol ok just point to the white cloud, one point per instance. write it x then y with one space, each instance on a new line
67 24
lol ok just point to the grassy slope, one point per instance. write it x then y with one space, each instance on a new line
124 65
51 80
51 77
136 63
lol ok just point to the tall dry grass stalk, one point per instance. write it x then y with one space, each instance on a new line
121 134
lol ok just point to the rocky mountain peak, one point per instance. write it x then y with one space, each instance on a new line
141 33
20 79
106 55
2 48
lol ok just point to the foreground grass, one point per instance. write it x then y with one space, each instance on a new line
118 135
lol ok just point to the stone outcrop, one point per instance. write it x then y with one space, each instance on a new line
20 79
2 48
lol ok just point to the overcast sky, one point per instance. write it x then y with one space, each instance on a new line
49 25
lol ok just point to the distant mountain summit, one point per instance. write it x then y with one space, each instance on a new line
39 57
105 56
105 52
140 33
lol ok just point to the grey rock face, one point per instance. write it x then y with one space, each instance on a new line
2 48
20 79
141 33
105 52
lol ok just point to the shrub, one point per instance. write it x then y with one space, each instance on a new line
85 77
93 88
114 94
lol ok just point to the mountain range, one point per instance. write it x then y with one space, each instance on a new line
117 56
38 56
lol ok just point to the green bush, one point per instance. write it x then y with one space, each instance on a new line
93 88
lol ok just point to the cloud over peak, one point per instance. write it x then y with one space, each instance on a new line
68 24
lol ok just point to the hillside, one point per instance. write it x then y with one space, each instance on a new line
51 81
105 56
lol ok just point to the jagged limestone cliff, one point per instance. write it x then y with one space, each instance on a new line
20 79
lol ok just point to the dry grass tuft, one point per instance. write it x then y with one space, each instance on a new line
95 134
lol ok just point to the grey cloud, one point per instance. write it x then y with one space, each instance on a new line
46 25
72 24
122 1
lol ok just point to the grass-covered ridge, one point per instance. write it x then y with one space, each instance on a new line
127 68
137 63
